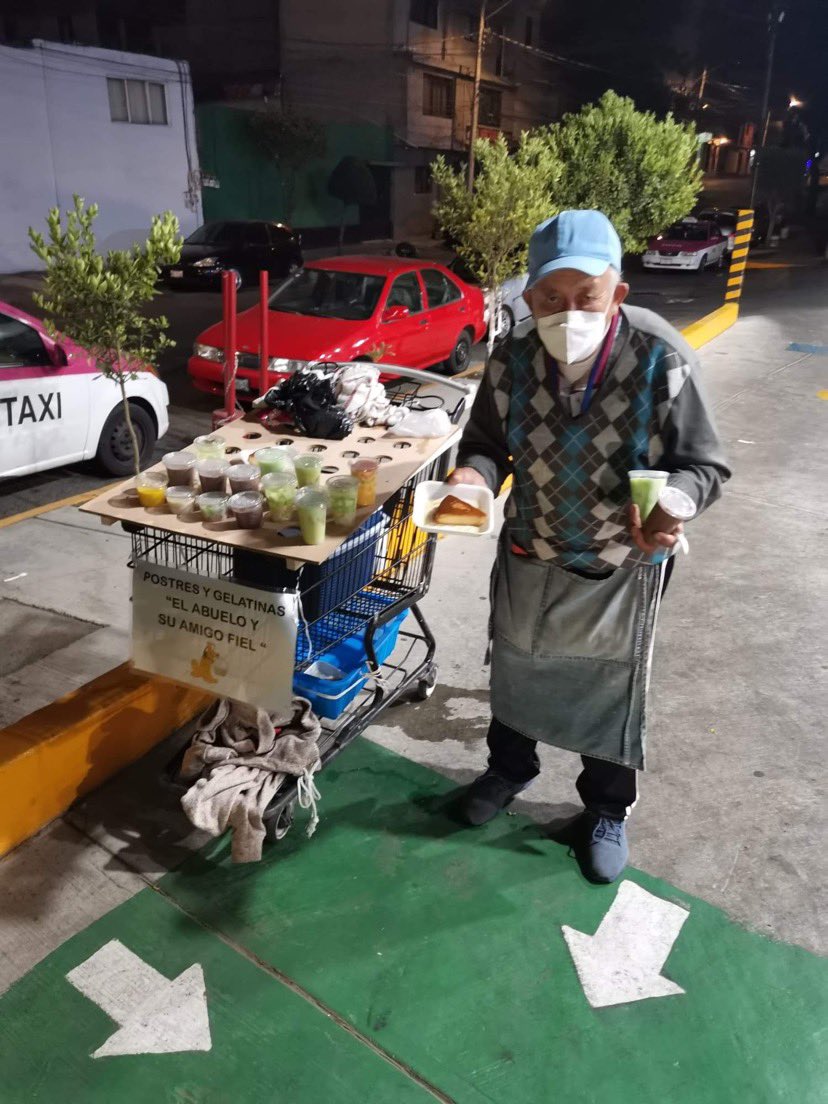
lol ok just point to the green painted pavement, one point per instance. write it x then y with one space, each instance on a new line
269 1044
444 944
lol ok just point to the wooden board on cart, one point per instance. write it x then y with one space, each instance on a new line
400 458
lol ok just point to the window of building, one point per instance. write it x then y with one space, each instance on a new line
425 12
438 96
405 292
422 179
439 289
490 107
135 101
527 37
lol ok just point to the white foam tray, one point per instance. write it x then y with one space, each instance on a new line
427 495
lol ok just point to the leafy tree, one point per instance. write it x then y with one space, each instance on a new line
98 301
289 139
781 181
491 224
641 171
352 183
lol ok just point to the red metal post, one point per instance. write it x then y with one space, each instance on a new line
264 355
228 295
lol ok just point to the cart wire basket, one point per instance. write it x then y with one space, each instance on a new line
361 591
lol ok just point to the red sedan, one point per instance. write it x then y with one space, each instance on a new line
415 314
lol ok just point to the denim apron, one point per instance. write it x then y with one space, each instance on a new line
571 655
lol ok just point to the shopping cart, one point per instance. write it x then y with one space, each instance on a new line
362 602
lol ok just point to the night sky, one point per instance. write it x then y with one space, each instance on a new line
729 37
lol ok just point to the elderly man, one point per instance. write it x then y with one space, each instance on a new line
578 397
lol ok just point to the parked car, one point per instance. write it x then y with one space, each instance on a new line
513 308
725 220
691 245
415 314
241 247
55 408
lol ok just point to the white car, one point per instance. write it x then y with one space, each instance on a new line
55 408
513 309
691 245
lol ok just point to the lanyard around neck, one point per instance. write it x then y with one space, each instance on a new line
596 373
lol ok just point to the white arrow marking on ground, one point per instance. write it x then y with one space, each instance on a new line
156 1016
622 962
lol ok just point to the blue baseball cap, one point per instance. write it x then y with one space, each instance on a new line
585 240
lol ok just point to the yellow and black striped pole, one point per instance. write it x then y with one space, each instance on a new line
738 258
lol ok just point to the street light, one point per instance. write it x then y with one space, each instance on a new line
794 102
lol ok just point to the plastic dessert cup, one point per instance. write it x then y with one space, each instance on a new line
210 447
308 469
645 487
365 471
213 505
280 491
180 499
342 499
180 466
152 488
212 474
244 477
312 508
279 458
247 508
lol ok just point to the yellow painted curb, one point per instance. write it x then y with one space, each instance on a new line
71 500
704 329
62 751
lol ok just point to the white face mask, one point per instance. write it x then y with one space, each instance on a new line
572 336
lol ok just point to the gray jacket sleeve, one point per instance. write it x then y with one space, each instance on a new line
693 452
483 444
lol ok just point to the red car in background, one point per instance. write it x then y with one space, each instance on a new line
412 313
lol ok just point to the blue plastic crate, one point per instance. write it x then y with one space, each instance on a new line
331 697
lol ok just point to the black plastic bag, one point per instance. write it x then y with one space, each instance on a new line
309 400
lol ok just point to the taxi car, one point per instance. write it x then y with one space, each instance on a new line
692 245
415 314
55 407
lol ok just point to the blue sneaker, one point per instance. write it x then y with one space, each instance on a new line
599 844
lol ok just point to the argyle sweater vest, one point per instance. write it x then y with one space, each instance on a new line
570 492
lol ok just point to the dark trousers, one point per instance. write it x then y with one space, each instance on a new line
607 789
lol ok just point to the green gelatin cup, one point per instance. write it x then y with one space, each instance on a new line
645 487
280 492
342 499
308 469
312 509
276 459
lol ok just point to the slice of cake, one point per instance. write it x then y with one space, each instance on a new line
454 511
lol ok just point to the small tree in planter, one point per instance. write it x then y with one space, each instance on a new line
491 225
641 171
291 141
353 184
98 301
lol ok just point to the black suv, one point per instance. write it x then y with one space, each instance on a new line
241 247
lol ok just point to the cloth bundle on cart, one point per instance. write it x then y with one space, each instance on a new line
238 759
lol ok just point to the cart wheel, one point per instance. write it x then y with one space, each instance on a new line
425 687
277 827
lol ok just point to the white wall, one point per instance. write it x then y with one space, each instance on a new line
57 138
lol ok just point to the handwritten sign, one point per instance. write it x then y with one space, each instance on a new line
236 641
